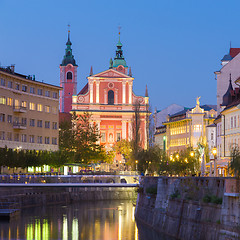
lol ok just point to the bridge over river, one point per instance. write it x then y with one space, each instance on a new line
35 190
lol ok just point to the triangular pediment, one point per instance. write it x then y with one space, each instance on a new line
110 73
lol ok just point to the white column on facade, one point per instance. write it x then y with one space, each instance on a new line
124 129
105 96
91 91
97 92
145 134
130 130
75 81
130 92
116 97
124 92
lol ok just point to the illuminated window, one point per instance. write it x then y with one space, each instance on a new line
2 100
39 108
24 104
197 128
9 101
16 103
32 106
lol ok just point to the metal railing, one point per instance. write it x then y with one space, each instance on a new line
52 179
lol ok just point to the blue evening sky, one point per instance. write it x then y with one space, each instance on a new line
173 46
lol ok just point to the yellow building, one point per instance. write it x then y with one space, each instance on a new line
29 112
188 127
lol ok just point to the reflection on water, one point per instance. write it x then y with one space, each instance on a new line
80 221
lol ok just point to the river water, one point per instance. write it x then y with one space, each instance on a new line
100 220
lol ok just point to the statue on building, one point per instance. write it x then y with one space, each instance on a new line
198 102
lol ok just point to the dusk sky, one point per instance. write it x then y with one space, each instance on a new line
173 46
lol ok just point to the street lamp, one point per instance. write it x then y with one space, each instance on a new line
214 152
136 164
191 153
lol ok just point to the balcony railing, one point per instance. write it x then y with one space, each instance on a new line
19 109
17 125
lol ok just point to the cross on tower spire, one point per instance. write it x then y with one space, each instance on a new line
119 32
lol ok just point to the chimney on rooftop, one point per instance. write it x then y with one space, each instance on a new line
12 67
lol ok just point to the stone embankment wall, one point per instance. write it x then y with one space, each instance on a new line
38 196
190 208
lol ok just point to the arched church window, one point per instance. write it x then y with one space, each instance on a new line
69 75
110 97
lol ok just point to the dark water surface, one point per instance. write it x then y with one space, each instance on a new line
101 220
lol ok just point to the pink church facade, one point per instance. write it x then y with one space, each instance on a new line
108 97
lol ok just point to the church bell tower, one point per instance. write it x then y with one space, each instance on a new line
68 78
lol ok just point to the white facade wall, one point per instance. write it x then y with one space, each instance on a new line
230 131
219 140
